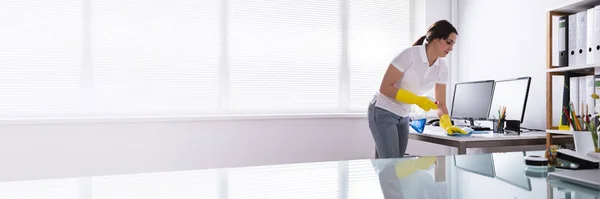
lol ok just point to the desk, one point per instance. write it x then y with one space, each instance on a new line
436 135
362 178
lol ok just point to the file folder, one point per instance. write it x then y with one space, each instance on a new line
590 50
596 35
563 53
581 46
572 34
590 88
574 92
564 122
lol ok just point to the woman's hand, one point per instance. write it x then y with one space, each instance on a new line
446 124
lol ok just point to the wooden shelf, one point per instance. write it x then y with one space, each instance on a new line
563 132
572 7
575 6
589 67
574 70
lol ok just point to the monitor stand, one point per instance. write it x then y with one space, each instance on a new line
471 122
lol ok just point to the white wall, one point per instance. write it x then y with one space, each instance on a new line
34 151
63 150
497 38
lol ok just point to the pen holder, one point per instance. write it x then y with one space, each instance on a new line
498 126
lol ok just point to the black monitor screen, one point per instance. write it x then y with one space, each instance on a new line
472 99
511 94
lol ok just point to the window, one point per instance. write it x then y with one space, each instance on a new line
377 32
163 58
284 56
155 57
41 57
41 189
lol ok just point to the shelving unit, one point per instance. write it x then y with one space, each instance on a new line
580 70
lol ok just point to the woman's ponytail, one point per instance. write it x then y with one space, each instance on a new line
439 30
420 41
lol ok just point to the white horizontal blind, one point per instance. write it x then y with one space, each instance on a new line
155 57
294 181
41 189
363 181
163 57
284 55
179 185
40 58
377 31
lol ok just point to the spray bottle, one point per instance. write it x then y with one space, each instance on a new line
418 117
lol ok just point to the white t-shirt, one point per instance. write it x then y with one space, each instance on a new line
418 78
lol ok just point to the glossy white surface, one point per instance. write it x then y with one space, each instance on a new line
341 179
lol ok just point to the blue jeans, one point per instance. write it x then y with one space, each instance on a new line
390 132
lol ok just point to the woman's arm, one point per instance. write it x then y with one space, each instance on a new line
445 122
387 88
440 96
391 76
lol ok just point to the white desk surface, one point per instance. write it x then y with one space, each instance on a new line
437 132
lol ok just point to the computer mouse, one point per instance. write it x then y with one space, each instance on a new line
436 123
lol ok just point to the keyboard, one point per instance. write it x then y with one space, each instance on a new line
480 128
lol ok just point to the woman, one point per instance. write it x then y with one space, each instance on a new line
411 74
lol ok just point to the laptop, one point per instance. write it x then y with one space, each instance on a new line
588 177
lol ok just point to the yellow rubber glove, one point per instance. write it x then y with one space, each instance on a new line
447 125
410 98
408 167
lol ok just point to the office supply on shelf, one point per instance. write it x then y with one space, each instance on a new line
574 91
590 36
596 30
581 105
565 120
572 41
471 100
581 57
574 160
563 41
588 178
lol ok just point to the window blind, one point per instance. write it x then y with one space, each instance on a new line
161 57
305 180
377 32
363 181
40 58
284 56
155 57
177 184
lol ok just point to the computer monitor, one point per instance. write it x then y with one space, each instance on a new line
511 93
472 100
